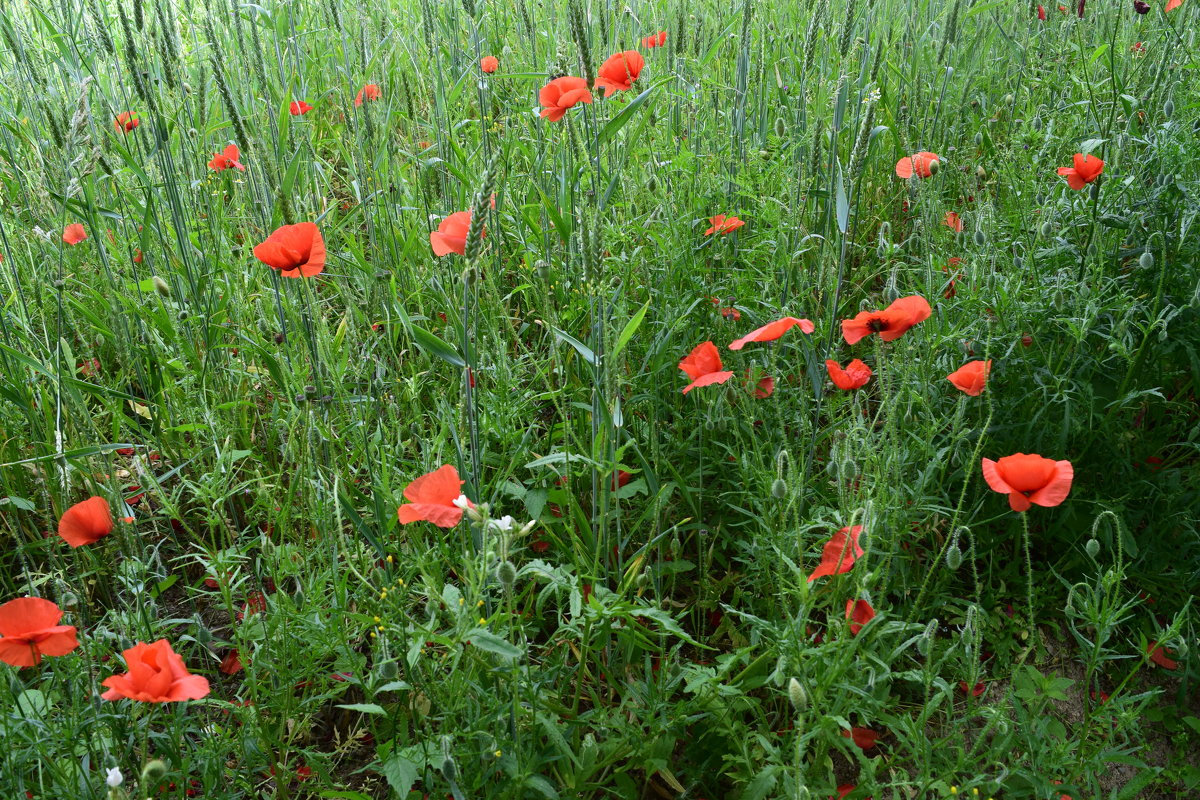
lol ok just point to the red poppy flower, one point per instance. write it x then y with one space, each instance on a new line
919 164
29 629
891 323
772 331
86 522
489 64
451 235
1137 47
865 738
859 612
839 553
1063 9
619 72
435 497
1161 655
370 93
1042 13
722 224
655 40
231 664
971 378
561 94
137 256
126 121
225 159
156 675
1172 5
975 691
1029 479
1086 170
703 366
845 789
953 221
295 250
74 233
764 388
620 479
298 107
854 376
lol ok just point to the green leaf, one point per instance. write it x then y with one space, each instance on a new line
541 786
616 123
486 640
19 502
401 772
843 205
431 344
630 329
364 708
579 346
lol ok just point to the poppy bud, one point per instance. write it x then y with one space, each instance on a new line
980 238
388 670
1018 262
183 315
643 579
1092 547
652 184
1169 108
1146 260
1047 229
779 489
797 695
979 140
954 557
1096 191
1039 198
765 155
1027 341
934 166
202 635
153 772
543 270
192 132
925 642
780 127
450 769
1008 99
160 286
506 573
981 173
882 252
470 274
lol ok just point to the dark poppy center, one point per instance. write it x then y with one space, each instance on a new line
875 324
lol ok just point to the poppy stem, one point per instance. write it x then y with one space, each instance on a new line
1028 577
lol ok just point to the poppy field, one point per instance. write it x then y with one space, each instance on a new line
586 399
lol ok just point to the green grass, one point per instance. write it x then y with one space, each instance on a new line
653 637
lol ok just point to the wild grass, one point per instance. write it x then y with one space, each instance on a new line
653 633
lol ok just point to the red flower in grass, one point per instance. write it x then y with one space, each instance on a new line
231 664
74 233
971 378
1162 656
655 40
839 553
619 72
86 522
156 675
953 221
435 497
370 93
703 366
854 376
294 250
764 388
920 164
891 323
126 121
1172 5
298 107
561 94
1085 170
974 691
489 64
225 159
451 235
1029 479
29 629
859 612
845 789
1042 13
865 738
772 331
722 224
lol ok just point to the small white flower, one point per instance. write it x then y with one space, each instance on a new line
504 524
462 502
114 778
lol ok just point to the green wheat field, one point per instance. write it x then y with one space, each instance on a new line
632 399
